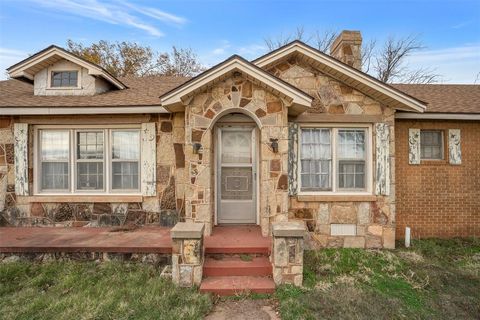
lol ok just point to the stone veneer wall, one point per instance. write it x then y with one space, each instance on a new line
166 208
375 220
236 94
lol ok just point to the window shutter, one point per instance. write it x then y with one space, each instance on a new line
382 163
414 146
292 158
149 152
20 133
454 146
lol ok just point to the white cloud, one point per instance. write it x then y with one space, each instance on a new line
253 50
455 65
222 50
157 14
9 57
117 12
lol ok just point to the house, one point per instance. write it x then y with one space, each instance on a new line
293 135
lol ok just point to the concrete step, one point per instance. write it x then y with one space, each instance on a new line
228 286
235 266
237 239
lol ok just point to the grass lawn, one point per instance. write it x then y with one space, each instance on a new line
435 279
86 290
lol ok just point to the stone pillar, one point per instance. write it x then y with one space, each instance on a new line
287 252
187 253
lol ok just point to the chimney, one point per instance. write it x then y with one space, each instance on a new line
347 48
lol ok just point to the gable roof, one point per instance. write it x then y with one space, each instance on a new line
299 100
344 73
27 68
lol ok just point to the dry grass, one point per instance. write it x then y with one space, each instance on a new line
435 279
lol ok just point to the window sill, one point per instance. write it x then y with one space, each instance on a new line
84 198
335 198
63 88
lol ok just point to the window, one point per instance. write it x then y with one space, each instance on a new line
333 159
54 158
316 158
64 79
125 155
431 144
102 160
351 158
90 160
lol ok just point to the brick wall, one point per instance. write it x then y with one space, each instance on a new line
435 198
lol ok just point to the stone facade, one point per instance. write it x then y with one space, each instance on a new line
374 219
185 180
236 95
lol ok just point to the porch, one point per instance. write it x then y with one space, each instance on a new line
229 240
234 259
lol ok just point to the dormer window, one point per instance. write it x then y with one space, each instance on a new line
62 79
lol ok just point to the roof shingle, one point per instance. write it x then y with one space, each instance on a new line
145 91
445 98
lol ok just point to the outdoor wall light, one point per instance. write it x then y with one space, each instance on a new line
196 148
274 145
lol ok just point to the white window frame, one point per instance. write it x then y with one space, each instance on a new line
368 190
442 145
107 160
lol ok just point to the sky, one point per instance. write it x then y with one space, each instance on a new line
449 29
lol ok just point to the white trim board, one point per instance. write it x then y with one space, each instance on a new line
80 110
438 116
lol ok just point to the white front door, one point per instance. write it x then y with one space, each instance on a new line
236 175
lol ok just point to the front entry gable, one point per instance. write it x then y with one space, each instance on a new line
341 72
296 100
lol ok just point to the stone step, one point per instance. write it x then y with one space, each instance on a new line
235 285
236 266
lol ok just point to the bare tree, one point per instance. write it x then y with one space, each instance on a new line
388 64
283 39
129 58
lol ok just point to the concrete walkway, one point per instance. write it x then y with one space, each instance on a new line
247 309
